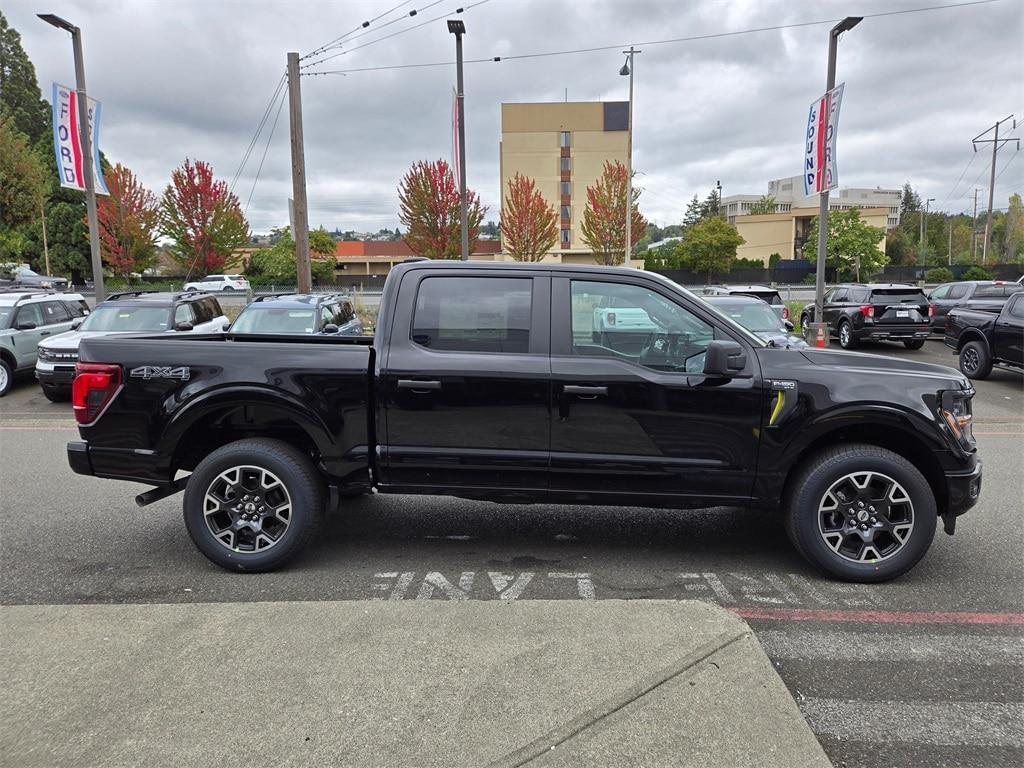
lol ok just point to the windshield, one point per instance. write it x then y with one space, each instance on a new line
125 319
257 319
754 317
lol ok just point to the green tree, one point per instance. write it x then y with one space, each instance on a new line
19 90
662 257
910 201
976 273
711 206
898 248
764 205
603 228
938 275
693 213
710 246
851 246
22 189
321 243
279 264
1013 237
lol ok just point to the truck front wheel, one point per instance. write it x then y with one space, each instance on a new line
861 513
252 505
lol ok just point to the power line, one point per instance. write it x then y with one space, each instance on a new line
265 148
365 24
688 39
974 156
256 135
409 29
1006 164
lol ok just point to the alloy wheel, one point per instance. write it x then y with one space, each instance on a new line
844 334
866 517
247 509
3 378
971 360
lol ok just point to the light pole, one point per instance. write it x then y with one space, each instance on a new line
718 187
627 70
830 82
458 28
85 138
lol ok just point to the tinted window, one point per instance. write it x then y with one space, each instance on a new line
841 295
77 308
898 296
214 306
983 291
54 312
473 314
202 312
345 312
263 318
327 315
634 323
940 292
31 313
957 291
1017 307
183 314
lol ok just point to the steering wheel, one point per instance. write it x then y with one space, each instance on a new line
660 351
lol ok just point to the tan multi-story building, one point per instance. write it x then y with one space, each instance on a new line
785 232
563 147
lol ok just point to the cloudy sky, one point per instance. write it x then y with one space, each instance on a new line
192 78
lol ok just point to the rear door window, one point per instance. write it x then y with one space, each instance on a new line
202 312
989 292
473 314
957 291
54 312
1017 307
183 314
29 313
76 307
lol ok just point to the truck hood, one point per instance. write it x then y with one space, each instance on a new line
69 340
847 363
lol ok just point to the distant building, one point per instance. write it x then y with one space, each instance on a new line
562 147
363 264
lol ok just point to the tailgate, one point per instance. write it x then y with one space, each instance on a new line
899 306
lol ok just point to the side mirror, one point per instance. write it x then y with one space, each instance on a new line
329 328
26 325
788 325
183 326
724 358
225 327
76 323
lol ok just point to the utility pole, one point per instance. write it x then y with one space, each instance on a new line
924 228
85 138
992 175
627 69
301 218
974 228
949 251
458 28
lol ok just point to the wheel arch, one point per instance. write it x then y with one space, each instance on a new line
972 334
8 357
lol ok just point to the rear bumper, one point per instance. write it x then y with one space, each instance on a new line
893 332
963 489
78 458
136 466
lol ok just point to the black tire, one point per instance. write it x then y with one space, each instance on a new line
914 343
297 476
849 341
809 490
6 377
56 394
975 360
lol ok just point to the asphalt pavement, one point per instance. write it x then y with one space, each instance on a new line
927 670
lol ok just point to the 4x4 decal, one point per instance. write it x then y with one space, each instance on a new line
148 372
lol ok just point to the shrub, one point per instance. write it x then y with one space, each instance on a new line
938 275
976 273
773 260
747 264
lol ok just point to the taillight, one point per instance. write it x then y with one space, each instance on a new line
94 387
931 311
867 310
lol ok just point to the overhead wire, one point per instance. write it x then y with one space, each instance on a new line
259 169
333 43
256 135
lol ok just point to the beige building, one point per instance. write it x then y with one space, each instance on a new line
785 233
563 147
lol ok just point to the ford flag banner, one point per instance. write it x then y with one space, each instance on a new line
67 144
820 172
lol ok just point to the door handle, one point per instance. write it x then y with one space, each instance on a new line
45 333
418 386
586 392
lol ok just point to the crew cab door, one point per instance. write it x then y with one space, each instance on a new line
1008 334
636 418
465 383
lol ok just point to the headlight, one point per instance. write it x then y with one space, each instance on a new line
42 354
956 413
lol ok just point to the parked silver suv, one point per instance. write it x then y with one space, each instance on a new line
26 318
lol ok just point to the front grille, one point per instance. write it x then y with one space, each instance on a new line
58 357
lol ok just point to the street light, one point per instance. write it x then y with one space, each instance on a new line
458 28
830 82
627 71
85 138
721 208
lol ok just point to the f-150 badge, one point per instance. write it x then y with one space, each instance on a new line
148 372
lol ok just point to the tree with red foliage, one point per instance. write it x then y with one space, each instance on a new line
603 227
128 220
429 201
529 225
202 218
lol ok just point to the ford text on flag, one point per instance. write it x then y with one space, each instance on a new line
820 171
67 143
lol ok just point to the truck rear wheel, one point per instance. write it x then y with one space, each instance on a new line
975 361
252 505
861 513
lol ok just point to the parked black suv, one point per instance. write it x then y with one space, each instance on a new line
857 312
301 313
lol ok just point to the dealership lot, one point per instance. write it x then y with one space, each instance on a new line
926 670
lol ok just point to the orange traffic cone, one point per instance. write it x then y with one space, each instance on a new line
819 340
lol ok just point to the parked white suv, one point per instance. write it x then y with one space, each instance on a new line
219 283
125 312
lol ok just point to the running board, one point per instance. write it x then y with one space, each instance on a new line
162 492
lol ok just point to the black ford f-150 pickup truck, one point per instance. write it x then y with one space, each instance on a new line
983 338
494 381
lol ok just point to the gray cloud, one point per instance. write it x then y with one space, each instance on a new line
192 78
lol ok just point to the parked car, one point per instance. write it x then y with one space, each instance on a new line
25 277
984 339
757 317
483 381
28 317
215 283
855 312
973 294
302 313
121 313
763 292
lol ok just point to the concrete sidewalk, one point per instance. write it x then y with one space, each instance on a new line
609 683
